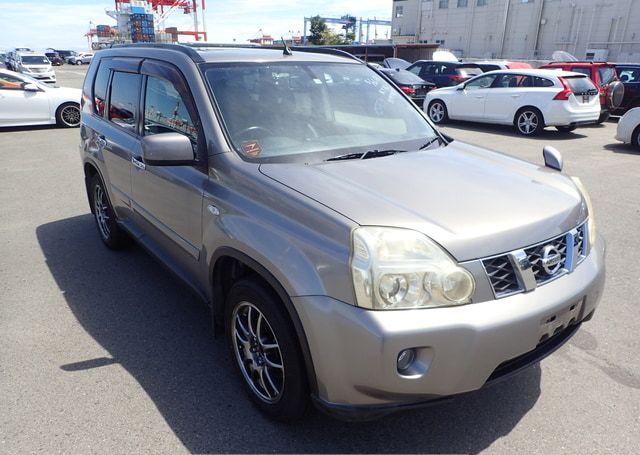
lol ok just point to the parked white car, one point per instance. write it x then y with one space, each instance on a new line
86 58
629 128
34 64
27 101
528 99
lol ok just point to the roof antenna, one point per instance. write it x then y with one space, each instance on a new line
287 49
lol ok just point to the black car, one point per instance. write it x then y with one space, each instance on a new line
394 62
444 74
409 83
629 75
54 58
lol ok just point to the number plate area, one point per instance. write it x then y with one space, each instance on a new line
555 323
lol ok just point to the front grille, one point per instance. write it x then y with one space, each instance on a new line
501 275
536 253
510 273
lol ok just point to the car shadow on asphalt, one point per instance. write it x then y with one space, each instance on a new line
10 129
548 134
626 149
156 329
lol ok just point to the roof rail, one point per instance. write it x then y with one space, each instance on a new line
189 51
326 50
578 61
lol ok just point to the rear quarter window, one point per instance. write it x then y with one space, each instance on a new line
607 74
542 82
100 89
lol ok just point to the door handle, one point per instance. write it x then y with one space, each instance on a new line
515 96
479 97
137 163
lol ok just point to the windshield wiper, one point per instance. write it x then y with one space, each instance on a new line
365 155
429 142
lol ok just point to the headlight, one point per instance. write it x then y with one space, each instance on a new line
399 268
591 224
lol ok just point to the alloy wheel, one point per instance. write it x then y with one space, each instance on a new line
101 211
258 353
527 122
70 115
436 112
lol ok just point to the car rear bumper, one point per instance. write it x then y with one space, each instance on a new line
561 114
458 349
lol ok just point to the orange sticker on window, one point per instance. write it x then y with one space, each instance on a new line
251 148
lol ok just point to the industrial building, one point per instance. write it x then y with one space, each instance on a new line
523 29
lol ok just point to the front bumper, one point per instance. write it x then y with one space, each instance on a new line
44 77
354 351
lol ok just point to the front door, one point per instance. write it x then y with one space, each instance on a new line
167 200
468 103
19 106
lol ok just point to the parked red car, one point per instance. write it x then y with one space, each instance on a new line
602 74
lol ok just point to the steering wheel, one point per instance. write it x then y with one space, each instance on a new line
255 128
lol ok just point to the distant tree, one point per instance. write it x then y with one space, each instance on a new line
318 30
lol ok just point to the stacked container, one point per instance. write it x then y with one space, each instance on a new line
141 27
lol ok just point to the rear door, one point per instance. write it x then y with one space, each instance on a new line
167 200
506 96
112 131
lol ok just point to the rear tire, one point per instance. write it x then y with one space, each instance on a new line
604 116
635 138
112 235
566 129
437 112
281 393
68 115
529 121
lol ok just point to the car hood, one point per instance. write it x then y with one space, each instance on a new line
472 201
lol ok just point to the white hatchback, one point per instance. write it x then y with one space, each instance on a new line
529 99
26 101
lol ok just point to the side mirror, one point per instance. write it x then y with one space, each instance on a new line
461 87
552 158
30 87
167 149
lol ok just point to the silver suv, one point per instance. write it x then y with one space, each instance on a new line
351 253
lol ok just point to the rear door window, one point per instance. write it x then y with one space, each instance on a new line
125 90
542 82
514 81
468 71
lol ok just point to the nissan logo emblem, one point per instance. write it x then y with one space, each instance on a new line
551 259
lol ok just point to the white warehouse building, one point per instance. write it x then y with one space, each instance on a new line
522 29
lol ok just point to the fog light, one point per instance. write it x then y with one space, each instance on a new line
405 359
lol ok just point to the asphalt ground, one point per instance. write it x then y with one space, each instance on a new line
106 352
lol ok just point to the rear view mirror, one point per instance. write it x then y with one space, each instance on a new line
461 87
30 87
167 149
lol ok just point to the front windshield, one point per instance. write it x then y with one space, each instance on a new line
277 111
35 60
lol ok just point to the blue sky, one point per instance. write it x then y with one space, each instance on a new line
62 23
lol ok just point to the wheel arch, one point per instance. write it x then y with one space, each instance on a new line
229 264
90 170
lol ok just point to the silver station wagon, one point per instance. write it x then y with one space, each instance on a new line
353 256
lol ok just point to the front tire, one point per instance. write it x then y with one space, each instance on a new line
529 121
68 115
566 129
604 116
112 235
266 350
437 112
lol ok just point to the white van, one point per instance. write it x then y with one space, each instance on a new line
35 64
